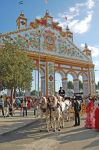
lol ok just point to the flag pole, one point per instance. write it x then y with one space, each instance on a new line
46 2
21 3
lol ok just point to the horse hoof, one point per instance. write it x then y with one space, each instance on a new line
40 130
59 129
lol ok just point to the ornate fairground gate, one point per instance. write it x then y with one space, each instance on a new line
53 50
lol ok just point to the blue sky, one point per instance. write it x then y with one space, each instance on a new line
82 18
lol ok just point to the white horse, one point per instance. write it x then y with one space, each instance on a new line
54 109
64 110
69 106
45 112
58 110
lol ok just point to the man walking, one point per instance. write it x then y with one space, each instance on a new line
24 107
77 108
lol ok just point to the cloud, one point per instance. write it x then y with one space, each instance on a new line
96 64
90 4
79 17
94 50
81 26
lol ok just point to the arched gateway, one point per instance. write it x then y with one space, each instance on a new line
53 50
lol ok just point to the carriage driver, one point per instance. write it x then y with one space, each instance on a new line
61 92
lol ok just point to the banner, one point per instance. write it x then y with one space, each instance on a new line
51 78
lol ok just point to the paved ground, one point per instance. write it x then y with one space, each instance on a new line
70 138
9 124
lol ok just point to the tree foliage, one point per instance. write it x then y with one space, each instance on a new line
34 93
15 67
70 85
97 86
80 85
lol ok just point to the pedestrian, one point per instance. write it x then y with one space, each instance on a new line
24 105
77 108
96 102
18 102
2 105
29 104
97 118
10 108
6 107
35 108
89 122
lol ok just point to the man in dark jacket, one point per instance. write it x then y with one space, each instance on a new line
77 108
62 92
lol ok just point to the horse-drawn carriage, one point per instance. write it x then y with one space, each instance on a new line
56 111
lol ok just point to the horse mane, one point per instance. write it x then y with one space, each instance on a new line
53 98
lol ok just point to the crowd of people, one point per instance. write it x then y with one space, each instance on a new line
8 107
92 110
91 103
5 106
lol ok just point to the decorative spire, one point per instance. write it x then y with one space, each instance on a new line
22 14
69 34
87 51
67 28
86 46
21 21
47 13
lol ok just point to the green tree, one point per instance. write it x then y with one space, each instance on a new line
98 85
80 85
34 93
70 85
19 93
15 68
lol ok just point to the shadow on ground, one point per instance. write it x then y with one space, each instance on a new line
67 135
